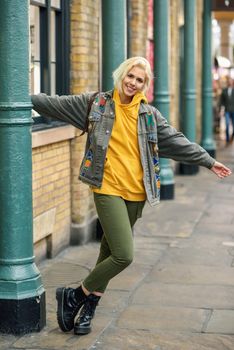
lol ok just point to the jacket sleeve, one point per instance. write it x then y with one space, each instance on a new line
173 144
71 109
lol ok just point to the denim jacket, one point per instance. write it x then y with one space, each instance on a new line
156 137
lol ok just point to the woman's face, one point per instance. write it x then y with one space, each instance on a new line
133 82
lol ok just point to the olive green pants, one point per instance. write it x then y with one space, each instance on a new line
117 217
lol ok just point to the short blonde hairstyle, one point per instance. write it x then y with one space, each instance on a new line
120 73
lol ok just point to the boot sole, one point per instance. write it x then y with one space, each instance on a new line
81 331
60 299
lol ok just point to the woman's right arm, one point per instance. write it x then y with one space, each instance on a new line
71 109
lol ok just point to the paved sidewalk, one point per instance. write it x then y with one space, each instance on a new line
179 292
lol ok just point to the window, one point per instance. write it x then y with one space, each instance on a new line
50 36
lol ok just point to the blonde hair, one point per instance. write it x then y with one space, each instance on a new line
120 73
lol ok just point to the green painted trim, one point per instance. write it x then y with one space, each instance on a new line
17 261
207 141
15 121
19 276
5 106
161 83
189 83
114 38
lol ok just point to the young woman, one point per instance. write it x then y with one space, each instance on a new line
125 138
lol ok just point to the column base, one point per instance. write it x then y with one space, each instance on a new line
212 152
167 191
188 169
22 316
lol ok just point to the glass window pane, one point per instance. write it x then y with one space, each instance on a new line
53 78
53 52
53 36
35 67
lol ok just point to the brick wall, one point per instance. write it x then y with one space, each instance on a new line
60 201
84 45
51 198
198 48
139 29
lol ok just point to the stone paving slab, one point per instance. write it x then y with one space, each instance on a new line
151 317
84 255
129 278
192 274
63 274
183 205
221 207
142 242
120 339
204 228
188 210
113 301
6 341
176 219
207 256
200 241
170 228
214 218
194 296
221 321
147 257
52 339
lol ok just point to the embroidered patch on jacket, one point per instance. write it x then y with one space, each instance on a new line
87 162
157 178
102 103
156 171
156 165
150 120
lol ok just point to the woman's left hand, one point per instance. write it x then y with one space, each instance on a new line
220 170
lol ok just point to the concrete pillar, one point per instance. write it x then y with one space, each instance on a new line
22 296
207 92
114 38
189 83
161 88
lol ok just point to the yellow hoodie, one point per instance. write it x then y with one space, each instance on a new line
123 173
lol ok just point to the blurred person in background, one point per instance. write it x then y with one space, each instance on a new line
227 102
217 90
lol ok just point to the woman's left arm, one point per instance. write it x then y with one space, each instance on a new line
173 144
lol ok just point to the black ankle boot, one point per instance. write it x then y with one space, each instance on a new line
83 322
69 302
